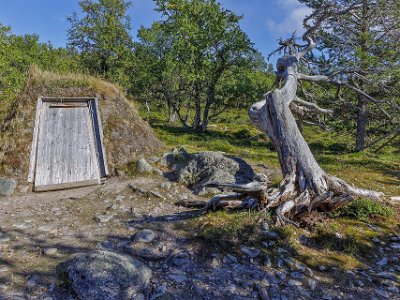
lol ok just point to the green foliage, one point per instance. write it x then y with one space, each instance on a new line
354 47
17 54
101 35
197 62
363 209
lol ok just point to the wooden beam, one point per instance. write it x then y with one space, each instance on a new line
32 166
100 128
68 185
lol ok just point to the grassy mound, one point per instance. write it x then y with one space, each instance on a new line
126 135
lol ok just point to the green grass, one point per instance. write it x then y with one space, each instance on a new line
224 230
363 209
342 239
232 133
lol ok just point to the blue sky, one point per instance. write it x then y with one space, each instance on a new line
264 21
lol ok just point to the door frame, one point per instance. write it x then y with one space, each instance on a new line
98 142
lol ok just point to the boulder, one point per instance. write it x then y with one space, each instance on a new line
199 169
176 159
102 275
7 186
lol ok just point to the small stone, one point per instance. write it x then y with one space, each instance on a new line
232 258
231 288
143 167
293 282
296 275
119 198
267 261
393 289
251 252
120 173
360 283
281 275
265 282
338 235
4 238
279 263
177 278
281 250
139 296
303 239
45 228
382 262
145 236
382 293
7 186
312 284
24 189
322 268
308 271
215 263
327 297
387 275
50 251
32 280
166 185
105 245
160 291
395 246
181 259
299 266
288 261
272 235
265 227
23 225
103 218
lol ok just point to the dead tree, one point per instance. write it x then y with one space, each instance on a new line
305 185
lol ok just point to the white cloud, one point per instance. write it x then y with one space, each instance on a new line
294 13
289 3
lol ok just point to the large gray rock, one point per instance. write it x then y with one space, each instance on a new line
199 169
7 186
104 275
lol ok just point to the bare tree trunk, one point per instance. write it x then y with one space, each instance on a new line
305 184
171 109
197 107
361 122
210 100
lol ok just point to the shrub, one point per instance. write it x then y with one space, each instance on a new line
363 208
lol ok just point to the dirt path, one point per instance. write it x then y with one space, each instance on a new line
41 230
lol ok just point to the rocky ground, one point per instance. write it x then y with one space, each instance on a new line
136 219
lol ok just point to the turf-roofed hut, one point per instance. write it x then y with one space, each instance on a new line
70 130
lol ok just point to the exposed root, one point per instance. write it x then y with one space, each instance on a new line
339 186
216 200
288 200
283 209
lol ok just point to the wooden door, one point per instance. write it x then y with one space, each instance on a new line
66 153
